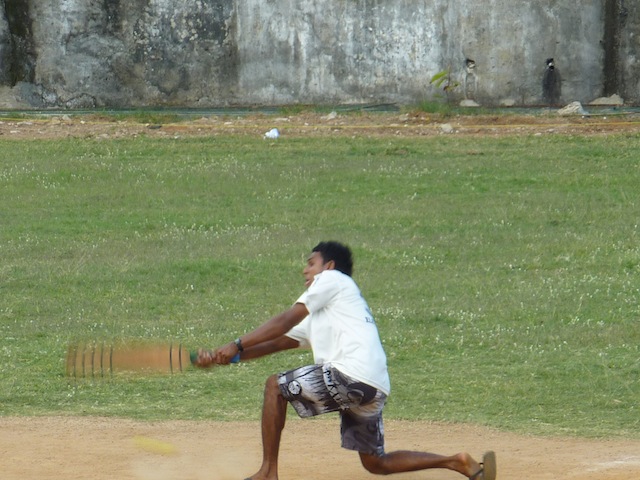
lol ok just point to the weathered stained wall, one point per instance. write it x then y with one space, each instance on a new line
119 52
628 65
388 50
84 53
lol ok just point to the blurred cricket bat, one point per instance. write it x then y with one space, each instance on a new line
90 360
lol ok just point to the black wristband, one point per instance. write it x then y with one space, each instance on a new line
238 343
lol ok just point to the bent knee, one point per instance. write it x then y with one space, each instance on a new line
272 387
374 464
272 383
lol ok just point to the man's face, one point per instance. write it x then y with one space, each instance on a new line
315 265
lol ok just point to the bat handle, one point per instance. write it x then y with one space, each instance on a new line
193 356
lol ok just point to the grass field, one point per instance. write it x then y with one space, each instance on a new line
503 273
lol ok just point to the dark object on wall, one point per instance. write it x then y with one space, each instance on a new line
470 78
551 84
615 19
17 53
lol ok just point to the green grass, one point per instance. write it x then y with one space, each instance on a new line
504 273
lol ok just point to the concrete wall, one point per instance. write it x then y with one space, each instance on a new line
85 53
628 59
388 51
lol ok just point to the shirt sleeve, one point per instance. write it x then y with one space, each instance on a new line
301 333
323 289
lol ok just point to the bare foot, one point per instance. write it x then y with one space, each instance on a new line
259 476
468 466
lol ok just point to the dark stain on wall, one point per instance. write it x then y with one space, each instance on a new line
615 14
21 57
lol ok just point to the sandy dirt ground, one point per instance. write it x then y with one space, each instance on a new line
366 124
57 448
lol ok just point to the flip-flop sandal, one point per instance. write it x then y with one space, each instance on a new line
488 469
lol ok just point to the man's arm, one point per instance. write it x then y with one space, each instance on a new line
207 357
266 339
267 348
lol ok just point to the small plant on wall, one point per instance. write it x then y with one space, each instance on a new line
443 80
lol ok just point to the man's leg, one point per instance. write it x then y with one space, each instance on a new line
274 414
406 461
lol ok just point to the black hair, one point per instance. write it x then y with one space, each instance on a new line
339 253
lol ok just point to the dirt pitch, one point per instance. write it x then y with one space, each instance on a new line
57 448
62 448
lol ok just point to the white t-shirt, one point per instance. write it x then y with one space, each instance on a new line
341 330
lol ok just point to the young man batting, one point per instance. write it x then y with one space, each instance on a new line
349 375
